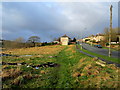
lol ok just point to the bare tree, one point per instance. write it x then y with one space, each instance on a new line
106 33
20 40
54 39
114 33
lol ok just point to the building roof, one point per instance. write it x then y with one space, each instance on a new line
65 36
99 34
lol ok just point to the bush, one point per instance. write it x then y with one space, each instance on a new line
107 44
87 40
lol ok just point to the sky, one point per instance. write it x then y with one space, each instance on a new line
50 20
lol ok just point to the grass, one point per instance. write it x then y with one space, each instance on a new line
116 60
45 50
76 70
112 49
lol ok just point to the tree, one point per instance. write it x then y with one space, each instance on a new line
87 40
106 33
74 39
34 39
114 33
54 39
20 40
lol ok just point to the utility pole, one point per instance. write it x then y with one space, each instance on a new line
110 30
81 40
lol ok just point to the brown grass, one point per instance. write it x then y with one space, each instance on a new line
42 72
97 76
36 50
18 80
11 73
76 74
81 60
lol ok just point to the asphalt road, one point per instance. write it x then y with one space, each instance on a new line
100 51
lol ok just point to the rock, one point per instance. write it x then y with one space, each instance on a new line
103 65
50 56
28 66
19 64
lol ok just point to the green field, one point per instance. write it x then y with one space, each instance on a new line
75 70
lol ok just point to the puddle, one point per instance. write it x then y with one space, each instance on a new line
26 55
48 64
4 63
3 54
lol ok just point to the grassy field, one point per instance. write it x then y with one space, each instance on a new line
75 69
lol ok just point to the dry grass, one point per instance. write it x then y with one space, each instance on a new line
90 73
81 60
36 50
21 79
71 48
11 73
76 74
18 75
42 72
18 80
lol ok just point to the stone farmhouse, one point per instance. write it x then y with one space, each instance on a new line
64 40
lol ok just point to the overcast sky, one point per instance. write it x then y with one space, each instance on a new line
53 19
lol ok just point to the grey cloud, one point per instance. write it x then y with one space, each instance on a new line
53 19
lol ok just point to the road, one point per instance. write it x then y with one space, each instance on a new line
100 50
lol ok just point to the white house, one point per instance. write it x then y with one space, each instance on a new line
64 40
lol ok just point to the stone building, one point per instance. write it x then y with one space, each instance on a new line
64 40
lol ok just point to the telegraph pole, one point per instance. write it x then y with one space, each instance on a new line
110 30
81 40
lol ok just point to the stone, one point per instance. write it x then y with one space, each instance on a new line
103 65
19 64
28 66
